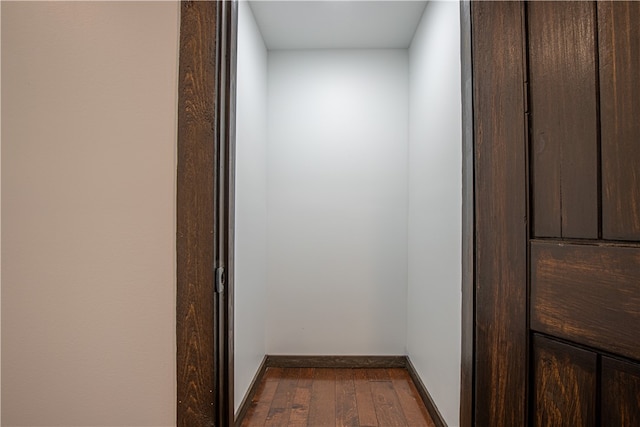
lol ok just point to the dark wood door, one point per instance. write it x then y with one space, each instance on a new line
557 184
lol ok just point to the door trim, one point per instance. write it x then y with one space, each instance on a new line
467 373
501 226
204 212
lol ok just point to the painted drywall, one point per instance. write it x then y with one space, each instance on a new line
0 225
89 94
435 188
251 203
337 201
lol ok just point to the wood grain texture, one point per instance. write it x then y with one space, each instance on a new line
261 404
620 393
346 406
282 402
565 384
501 213
302 398
364 399
386 403
432 409
336 361
414 411
619 42
195 207
251 392
587 294
564 118
468 231
322 409
377 375
342 397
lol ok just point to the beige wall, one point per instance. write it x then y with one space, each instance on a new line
88 213
0 224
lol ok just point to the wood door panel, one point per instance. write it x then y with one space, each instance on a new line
501 238
564 119
565 384
619 42
564 166
620 393
587 294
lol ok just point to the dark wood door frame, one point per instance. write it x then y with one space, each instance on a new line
205 206
205 192
501 229
467 356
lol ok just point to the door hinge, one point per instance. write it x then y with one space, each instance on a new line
220 279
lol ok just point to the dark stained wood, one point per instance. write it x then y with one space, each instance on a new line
501 213
619 42
387 406
565 384
195 219
282 402
224 207
468 236
587 294
564 119
377 374
336 361
344 397
206 125
538 87
322 409
432 409
251 392
261 404
302 398
346 409
415 413
368 368
620 393
364 399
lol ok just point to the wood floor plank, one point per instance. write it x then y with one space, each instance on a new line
387 404
282 402
322 409
321 397
259 410
412 406
302 398
377 375
364 399
254 403
346 406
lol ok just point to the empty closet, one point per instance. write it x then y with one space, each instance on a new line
348 186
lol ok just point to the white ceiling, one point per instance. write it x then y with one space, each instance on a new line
337 24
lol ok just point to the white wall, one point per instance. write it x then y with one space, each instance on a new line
251 202
337 202
89 94
435 188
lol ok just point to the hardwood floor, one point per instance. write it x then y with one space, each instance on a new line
322 397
